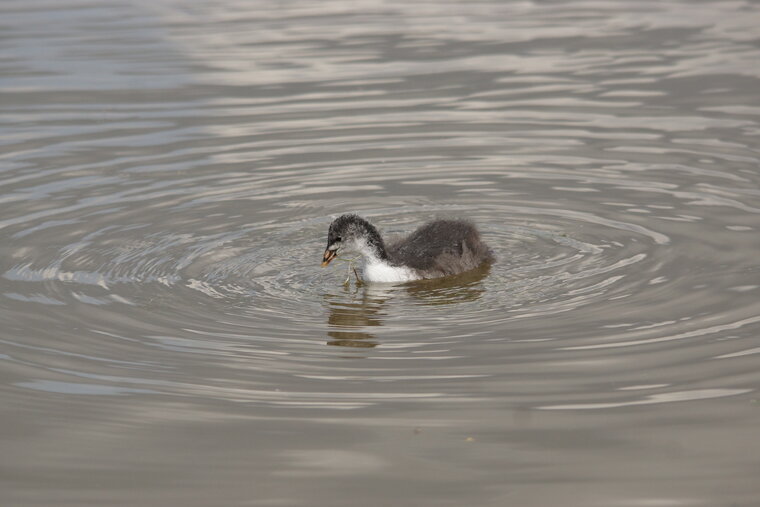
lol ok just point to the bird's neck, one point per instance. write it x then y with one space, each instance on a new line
372 246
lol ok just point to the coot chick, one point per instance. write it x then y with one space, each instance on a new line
438 248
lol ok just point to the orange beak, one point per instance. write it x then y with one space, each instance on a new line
329 256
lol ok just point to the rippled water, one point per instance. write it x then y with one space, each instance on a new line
168 171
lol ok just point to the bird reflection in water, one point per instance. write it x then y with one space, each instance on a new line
354 313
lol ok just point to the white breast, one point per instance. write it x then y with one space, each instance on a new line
380 271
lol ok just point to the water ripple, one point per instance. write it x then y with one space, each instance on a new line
169 171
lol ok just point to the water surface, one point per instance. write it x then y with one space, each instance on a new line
168 171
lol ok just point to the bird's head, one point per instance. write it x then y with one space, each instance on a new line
351 233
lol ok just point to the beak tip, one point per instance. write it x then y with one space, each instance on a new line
328 257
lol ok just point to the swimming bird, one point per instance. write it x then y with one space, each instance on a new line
439 248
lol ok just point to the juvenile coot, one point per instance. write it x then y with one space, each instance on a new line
438 248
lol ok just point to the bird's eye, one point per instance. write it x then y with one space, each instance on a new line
337 239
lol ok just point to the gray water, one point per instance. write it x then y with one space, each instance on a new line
168 171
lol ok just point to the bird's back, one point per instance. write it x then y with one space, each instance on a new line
441 247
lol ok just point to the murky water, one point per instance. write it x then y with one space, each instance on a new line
168 173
